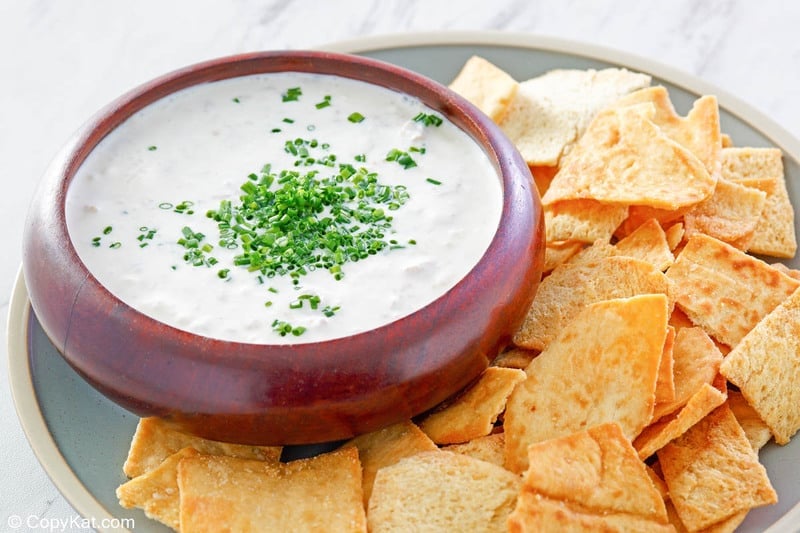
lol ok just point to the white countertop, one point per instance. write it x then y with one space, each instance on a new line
61 61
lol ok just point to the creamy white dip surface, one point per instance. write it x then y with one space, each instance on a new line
137 207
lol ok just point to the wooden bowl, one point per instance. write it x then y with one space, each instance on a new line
285 394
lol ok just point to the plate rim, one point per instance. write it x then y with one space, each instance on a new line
20 379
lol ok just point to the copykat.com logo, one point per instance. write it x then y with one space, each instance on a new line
65 524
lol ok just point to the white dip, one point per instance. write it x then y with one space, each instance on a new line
125 214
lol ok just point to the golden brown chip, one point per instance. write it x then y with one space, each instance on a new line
442 491
731 214
156 492
556 253
550 112
584 221
699 131
625 159
597 469
665 383
639 214
713 472
727 525
674 235
385 447
695 362
569 288
220 493
757 431
724 290
489 448
747 163
656 436
649 243
765 366
542 176
791 272
474 411
518 358
594 253
602 367
487 86
762 168
536 513
155 440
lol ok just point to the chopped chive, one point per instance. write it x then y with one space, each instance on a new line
355 117
107 230
115 245
428 119
431 180
152 148
165 205
292 94
275 130
326 101
236 100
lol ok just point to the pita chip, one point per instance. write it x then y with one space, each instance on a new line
585 221
487 86
601 367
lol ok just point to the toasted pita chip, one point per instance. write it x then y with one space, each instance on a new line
518 358
649 243
696 361
655 475
762 168
385 447
556 253
442 491
594 253
747 163
674 235
542 176
487 86
713 472
639 214
665 382
155 440
550 112
731 214
656 436
728 525
569 288
584 221
220 493
474 411
489 448
757 431
699 131
625 159
791 272
156 491
765 366
538 513
602 367
724 290
597 469
727 141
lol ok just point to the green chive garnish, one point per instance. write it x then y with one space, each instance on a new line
355 117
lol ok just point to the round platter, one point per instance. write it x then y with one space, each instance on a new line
81 438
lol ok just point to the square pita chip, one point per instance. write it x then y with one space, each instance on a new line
473 412
385 447
765 366
489 448
442 491
601 367
713 472
758 433
571 287
155 440
156 492
487 86
322 493
724 290
584 221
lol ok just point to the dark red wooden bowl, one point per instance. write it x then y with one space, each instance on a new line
271 394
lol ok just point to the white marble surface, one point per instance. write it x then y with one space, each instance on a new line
60 61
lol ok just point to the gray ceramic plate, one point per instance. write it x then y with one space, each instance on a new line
81 438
